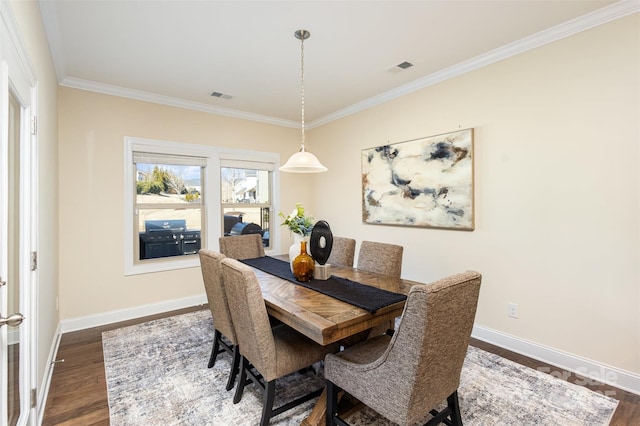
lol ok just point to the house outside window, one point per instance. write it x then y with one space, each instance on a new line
245 198
178 197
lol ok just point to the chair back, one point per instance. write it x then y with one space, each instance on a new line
212 276
430 344
241 247
342 252
381 258
249 315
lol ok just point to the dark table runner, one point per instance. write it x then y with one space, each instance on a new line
356 294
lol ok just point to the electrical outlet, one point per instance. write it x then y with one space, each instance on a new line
512 310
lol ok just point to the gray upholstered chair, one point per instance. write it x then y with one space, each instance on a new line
241 247
405 376
212 276
274 352
381 258
342 252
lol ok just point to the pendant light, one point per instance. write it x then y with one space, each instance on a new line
303 161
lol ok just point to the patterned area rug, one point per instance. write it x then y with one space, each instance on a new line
157 375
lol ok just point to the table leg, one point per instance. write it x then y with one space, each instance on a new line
319 413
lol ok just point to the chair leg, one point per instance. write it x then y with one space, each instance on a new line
216 349
333 397
332 402
267 402
454 405
451 411
235 364
242 382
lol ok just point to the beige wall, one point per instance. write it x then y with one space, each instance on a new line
557 189
92 131
27 14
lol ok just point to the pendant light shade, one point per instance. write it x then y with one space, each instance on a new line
303 161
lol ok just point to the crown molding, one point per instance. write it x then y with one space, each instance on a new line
92 86
16 48
566 29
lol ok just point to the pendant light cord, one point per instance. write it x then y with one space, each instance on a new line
302 148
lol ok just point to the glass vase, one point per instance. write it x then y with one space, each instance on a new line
303 264
294 250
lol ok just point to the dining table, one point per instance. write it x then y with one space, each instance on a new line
324 318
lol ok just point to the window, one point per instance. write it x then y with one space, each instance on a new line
245 198
182 197
169 209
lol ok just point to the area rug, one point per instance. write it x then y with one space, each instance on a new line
157 375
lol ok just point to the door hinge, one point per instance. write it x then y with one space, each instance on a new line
34 260
34 125
34 398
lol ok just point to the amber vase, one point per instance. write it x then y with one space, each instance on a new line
303 264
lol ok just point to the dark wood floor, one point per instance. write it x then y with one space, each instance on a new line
78 392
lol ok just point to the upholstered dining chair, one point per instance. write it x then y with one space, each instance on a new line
342 252
404 376
212 276
242 247
274 352
381 258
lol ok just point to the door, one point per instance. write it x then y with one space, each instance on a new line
18 226
17 243
10 316
15 363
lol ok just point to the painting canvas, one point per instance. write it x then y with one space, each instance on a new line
425 182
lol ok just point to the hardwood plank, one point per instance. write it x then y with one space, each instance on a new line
78 390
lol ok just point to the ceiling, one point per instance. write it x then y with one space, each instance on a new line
178 52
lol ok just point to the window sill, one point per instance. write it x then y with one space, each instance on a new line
166 264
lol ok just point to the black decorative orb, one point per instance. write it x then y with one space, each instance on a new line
321 242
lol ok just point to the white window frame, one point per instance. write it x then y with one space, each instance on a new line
211 197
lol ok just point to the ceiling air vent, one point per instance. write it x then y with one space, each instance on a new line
400 67
221 95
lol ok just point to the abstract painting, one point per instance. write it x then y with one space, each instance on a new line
425 182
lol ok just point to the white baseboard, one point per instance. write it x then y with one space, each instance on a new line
48 373
81 323
613 376
593 370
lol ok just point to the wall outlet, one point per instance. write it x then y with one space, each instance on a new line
512 310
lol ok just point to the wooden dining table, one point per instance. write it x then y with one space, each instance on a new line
325 319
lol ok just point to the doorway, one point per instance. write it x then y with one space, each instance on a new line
18 226
17 252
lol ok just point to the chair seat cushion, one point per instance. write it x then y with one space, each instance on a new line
366 351
354 358
294 352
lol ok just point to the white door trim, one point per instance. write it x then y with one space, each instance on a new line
18 77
